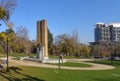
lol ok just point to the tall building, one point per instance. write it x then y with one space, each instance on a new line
107 32
42 36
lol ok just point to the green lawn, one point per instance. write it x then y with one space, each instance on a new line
45 74
108 62
71 64
16 54
3 54
24 73
21 55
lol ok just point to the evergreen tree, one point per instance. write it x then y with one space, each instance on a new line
50 41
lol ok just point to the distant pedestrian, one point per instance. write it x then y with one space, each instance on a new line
61 57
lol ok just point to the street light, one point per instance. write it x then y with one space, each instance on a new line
60 55
7 31
111 52
59 60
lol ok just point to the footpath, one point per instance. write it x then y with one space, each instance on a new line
37 64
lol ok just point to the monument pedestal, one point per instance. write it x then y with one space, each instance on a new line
46 58
41 53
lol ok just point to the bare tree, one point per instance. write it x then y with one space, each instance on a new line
22 40
22 32
76 41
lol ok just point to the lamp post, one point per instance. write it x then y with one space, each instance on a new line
111 52
60 55
59 60
7 31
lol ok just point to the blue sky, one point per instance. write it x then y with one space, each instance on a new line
64 16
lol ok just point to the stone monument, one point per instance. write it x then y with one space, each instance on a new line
42 40
42 45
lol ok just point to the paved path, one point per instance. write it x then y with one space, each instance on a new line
30 63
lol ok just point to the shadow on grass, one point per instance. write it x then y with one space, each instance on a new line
105 79
15 72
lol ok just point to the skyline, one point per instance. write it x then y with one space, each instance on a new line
64 16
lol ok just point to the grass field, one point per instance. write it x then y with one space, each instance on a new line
25 73
45 74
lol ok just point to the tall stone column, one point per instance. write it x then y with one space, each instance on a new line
42 36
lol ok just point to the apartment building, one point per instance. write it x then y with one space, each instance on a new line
107 32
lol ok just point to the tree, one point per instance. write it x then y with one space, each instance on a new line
76 42
64 44
115 49
85 50
2 13
33 46
102 49
11 39
6 8
50 41
3 40
22 43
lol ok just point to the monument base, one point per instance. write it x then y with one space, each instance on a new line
47 60
54 61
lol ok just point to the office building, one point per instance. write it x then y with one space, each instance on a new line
107 32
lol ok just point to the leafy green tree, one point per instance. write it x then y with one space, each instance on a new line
1 48
64 44
84 50
6 8
2 13
11 39
2 36
50 42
